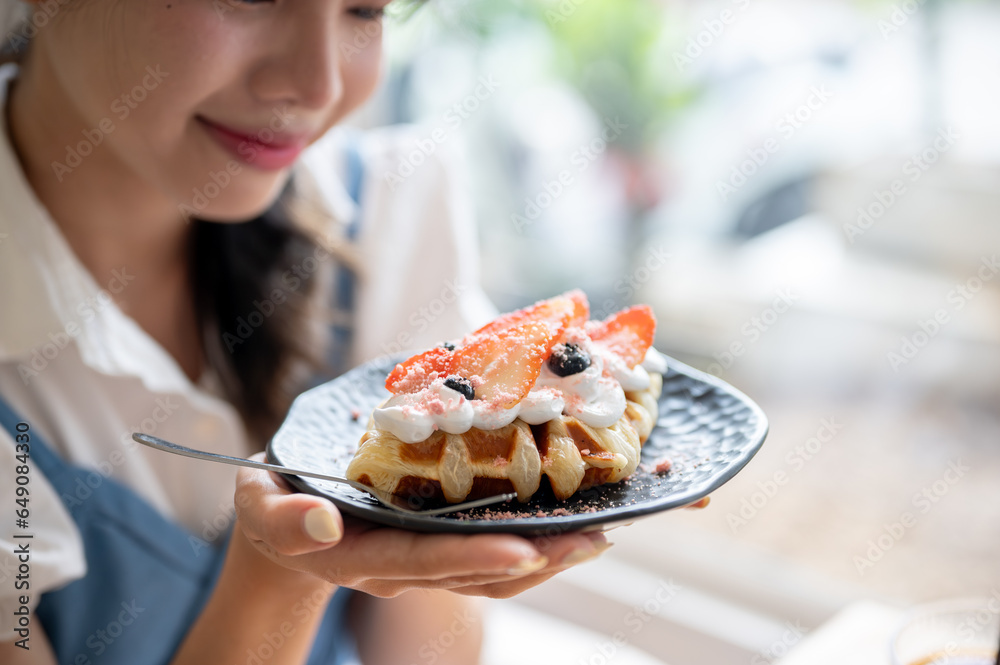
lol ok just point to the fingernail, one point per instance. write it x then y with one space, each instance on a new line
529 566
321 525
585 554
596 537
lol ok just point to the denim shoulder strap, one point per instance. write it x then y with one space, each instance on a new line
147 577
342 332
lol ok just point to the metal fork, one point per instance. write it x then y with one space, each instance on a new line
388 500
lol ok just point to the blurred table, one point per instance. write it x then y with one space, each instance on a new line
859 634
515 633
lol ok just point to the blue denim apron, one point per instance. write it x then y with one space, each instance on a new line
148 578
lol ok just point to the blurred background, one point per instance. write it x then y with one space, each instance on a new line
807 193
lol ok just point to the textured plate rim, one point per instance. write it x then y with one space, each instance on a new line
563 523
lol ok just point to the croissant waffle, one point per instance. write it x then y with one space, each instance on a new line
479 463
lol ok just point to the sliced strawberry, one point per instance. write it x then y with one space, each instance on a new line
556 312
628 333
418 372
581 308
504 365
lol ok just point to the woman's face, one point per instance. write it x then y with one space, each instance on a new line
210 101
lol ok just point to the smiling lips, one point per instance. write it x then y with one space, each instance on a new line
263 149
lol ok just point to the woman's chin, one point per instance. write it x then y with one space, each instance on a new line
231 205
224 215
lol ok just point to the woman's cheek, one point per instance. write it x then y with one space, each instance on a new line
361 76
203 50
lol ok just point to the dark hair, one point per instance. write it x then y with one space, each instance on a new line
263 347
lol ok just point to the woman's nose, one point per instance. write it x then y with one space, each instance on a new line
305 71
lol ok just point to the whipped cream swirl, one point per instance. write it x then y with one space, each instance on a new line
593 397
635 378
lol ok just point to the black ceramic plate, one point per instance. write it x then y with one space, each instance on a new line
707 429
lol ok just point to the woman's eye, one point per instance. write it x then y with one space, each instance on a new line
364 13
367 13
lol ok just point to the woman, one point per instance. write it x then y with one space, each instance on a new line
163 271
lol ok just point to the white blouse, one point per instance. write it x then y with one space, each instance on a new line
84 375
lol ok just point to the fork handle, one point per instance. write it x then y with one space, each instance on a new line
176 449
167 446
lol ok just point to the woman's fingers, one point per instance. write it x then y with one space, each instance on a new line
282 522
566 552
488 586
385 561
505 589
571 549
493 586
386 553
448 561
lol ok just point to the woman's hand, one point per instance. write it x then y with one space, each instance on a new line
306 533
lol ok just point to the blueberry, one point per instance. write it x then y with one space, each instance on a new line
448 345
462 385
567 359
